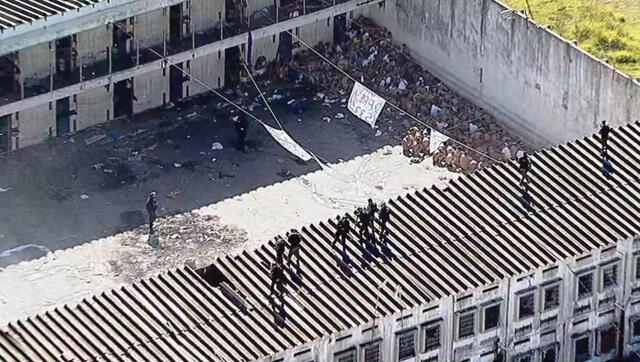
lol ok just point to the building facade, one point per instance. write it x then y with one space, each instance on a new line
65 66
585 308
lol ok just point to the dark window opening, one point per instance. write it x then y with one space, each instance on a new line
551 297
585 285
466 326
610 277
431 338
491 317
548 354
347 356
608 338
406 345
371 352
582 352
526 306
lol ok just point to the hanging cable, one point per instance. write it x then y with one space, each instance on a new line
139 42
386 100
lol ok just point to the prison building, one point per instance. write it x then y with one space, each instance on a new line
66 65
468 274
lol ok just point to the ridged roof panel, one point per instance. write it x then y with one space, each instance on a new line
442 241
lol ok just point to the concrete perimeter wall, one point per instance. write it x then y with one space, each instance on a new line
540 85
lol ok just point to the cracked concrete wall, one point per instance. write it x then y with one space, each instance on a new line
531 79
210 70
267 47
92 45
151 89
93 105
206 14
36 61
313 33
35 124
151 28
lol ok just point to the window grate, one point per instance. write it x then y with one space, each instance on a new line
372 352
610 277
466 325
585 285
347 356
432 338
406 345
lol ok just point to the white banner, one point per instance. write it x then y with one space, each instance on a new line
436 140
365 104
288 143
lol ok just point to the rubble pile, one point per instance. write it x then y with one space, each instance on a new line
184 239
367 53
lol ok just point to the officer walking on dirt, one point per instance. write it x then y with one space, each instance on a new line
152 208
241 124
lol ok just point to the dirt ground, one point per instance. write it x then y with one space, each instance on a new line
94 183
196 237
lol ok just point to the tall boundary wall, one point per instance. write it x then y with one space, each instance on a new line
537 83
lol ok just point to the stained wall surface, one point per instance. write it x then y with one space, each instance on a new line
536 82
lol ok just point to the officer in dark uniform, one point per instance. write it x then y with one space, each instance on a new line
372 209
152 208
241 124
278 278
384 214
295 241
524 165
604 136
280 247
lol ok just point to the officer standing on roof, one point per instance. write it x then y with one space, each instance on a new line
295 240
280 246
372 209
604 136
278 279
152 208
384 214
524 165
343 228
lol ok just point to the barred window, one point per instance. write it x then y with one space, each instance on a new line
466 325
551 297
609 277
406 345
346 356
371 352
585 285
432 337
526 306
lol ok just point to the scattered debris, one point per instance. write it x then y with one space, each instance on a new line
378 133
340 116
174 194
326 119
93 139
84 197
177 165
216 146
4 190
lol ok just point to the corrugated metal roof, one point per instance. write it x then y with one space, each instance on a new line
16 12
442 242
